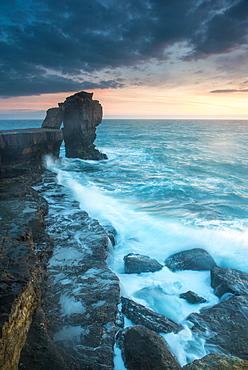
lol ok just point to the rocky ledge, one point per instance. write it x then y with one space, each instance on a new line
79 114
20 149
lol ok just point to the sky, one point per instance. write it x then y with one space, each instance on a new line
140 58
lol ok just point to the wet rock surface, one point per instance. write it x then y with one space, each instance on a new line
143 349
225 325
227 280
137 263
82 294
193 259
140 315
192 297
218 361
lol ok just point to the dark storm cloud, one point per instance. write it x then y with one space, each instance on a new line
40 41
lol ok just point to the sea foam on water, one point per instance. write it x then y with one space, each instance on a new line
166 193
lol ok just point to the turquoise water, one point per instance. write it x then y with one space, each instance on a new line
19 124
168 185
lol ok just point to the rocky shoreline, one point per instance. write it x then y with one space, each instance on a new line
59 302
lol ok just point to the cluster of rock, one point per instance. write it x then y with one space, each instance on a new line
79 114
224 325
28 294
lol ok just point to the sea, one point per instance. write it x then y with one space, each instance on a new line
167 186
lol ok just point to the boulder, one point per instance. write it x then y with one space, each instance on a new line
227 280
136 263
81 117
193 259
192 297
225 325
143 349
218 361
111 232
54 117
140 315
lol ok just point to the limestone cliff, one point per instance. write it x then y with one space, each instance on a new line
24 251
80 115
21 148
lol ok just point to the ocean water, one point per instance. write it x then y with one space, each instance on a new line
167 186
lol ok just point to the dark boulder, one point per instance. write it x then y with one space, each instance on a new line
225 325
193 259
140 315
218 361
136 263
143 349
227 280
192 297
111 232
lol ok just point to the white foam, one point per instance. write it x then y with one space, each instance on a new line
71 333
159 237
69 305
185 345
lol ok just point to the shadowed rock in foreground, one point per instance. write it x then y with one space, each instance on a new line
143 349
218 361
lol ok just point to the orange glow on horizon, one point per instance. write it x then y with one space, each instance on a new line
142 102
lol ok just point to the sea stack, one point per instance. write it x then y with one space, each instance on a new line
80 116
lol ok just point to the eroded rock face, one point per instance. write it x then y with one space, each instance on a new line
81 117
227 280
21 148
25 248
218 361
193 259
137 263
54 117
143 349
225 325
140 315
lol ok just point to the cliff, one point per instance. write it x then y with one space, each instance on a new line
20 149
30 320
80 115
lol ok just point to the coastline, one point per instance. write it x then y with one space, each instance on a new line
60 299
36 283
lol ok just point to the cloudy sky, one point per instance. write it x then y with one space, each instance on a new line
141 58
